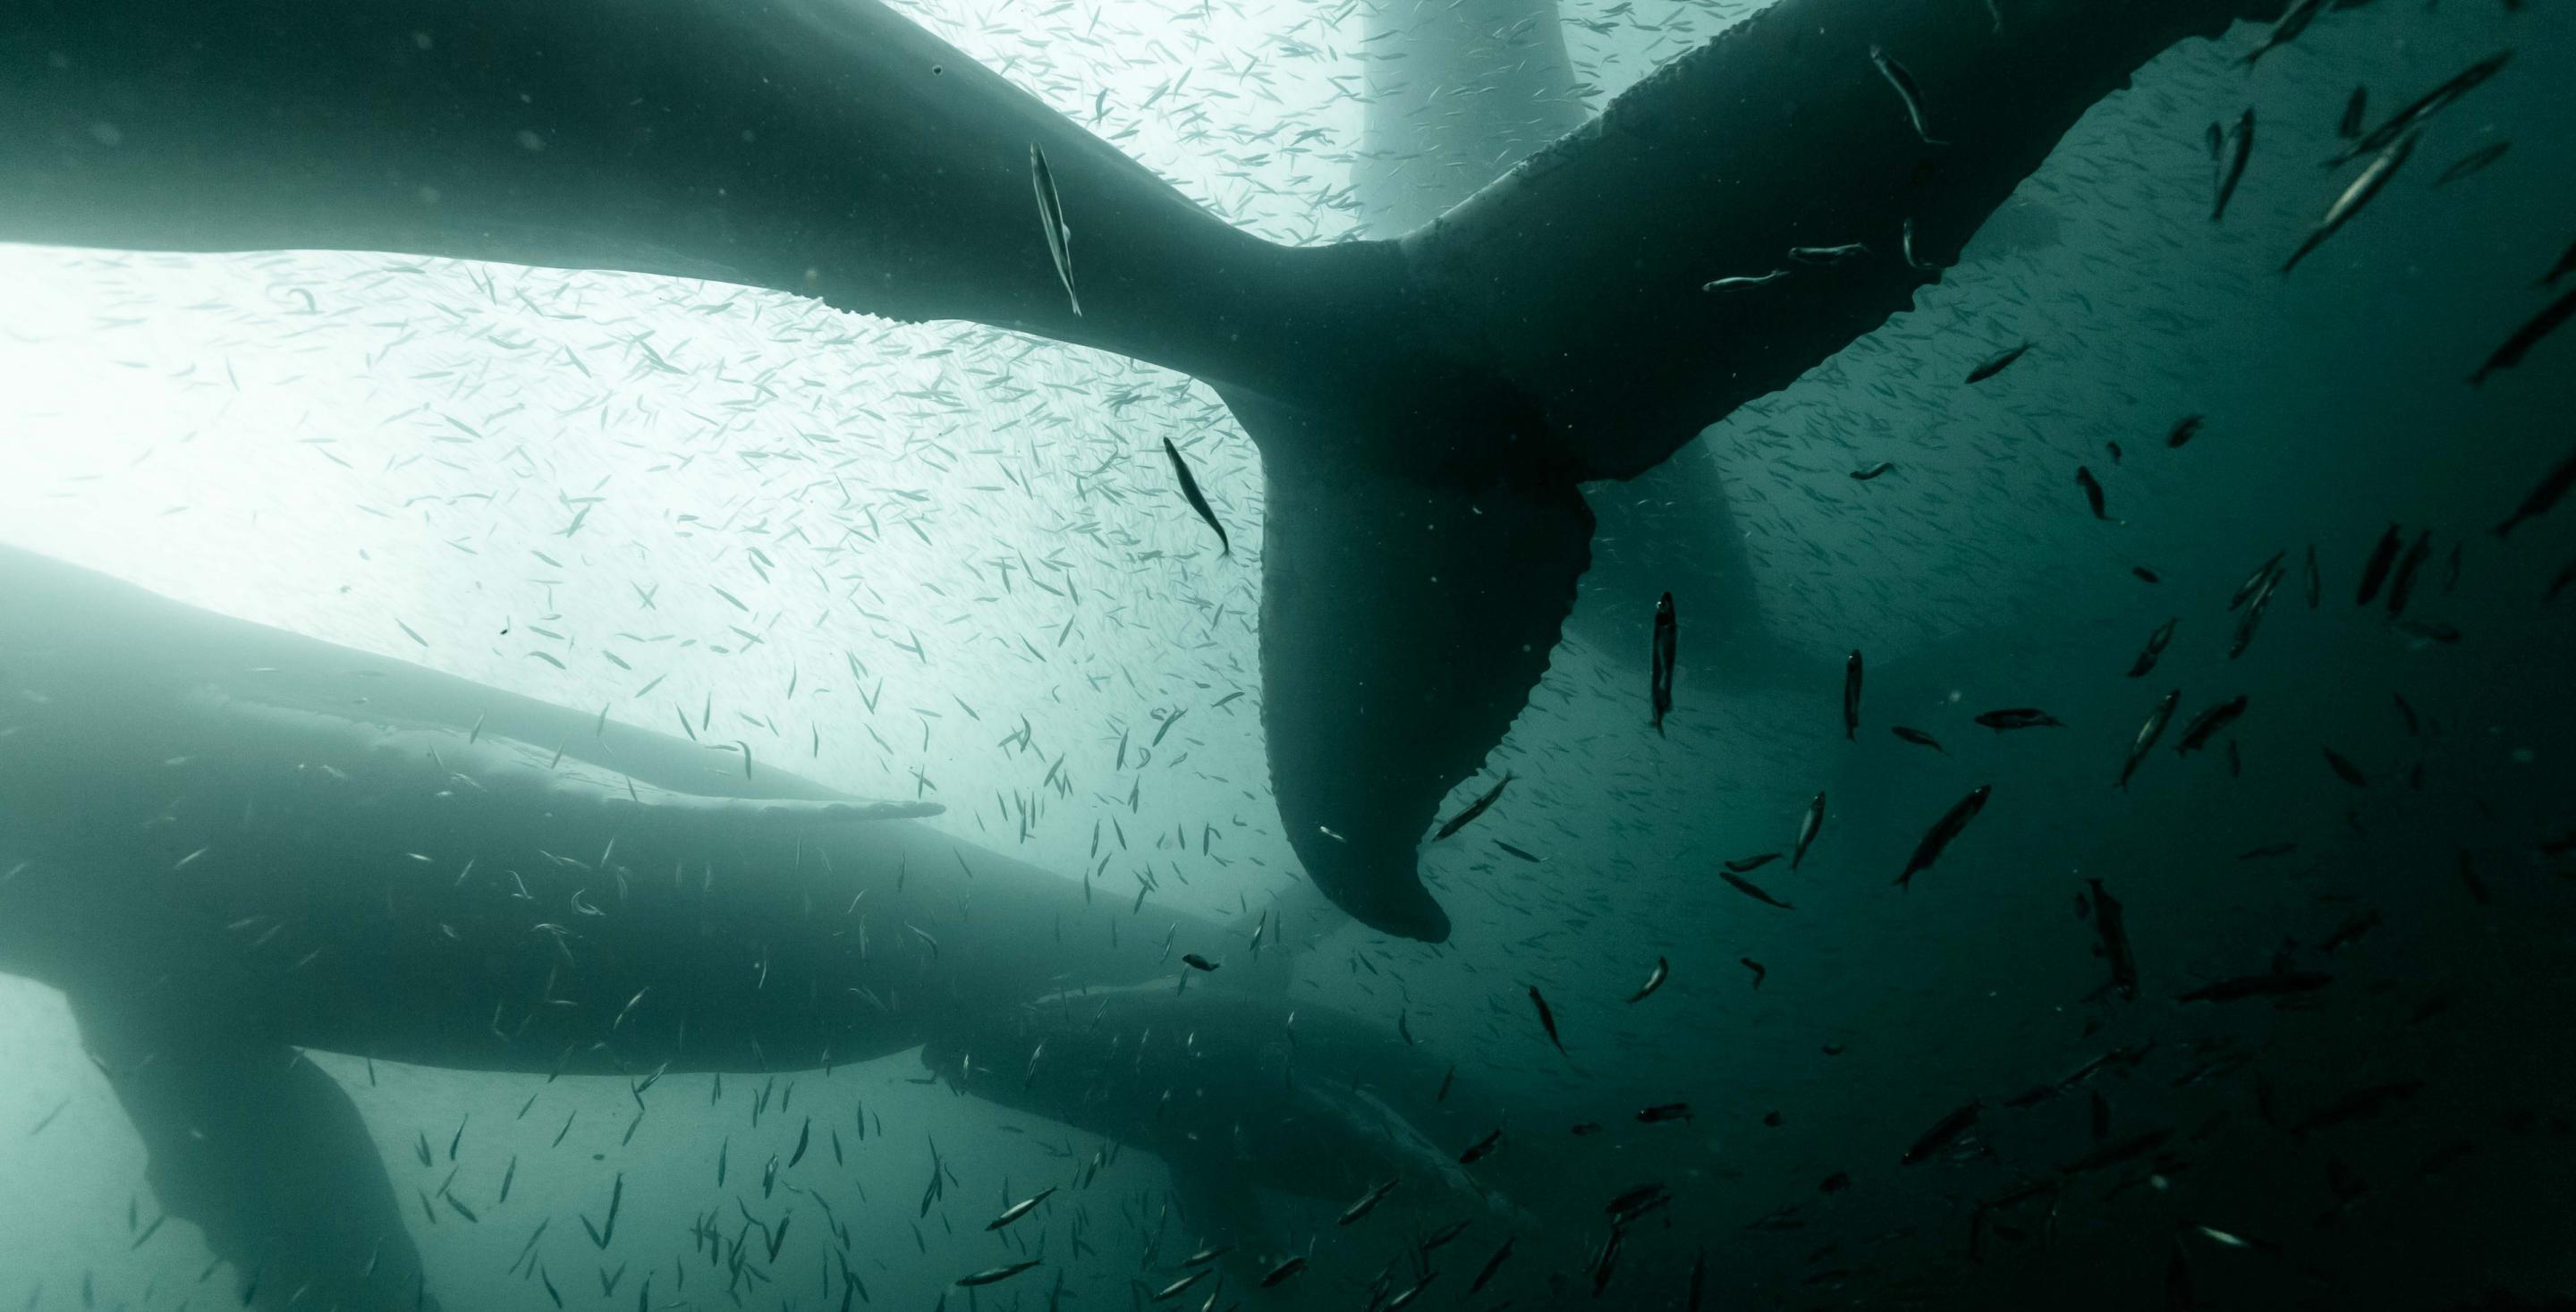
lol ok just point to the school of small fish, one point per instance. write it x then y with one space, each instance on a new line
1712 988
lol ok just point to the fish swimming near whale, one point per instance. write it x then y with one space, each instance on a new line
232 842
1445 390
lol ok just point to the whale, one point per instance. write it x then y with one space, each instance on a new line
1426 405
1242 1093
226 844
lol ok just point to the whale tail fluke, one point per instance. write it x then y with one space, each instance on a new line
1405 615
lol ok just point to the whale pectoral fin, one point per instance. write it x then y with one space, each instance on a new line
1404 621
263 1152
494 770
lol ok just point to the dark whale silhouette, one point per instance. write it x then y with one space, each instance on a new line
1425 406
225 843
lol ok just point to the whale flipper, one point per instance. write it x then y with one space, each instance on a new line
262 1151
509 780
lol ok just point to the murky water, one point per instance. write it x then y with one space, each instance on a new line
729 795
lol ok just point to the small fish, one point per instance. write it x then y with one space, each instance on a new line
1637 1202
2293 21
2345 769
2255 582
1912 261
1943 831
2375 573
1919 738
1752 890
2092 491
1197 499
1851 696
2315 581
2469 879
2566 264
1481 1149
1059 238
2350 931
1995 364
1196 962
2401 585
1807 830
1474 809
996 1275
1279 1274
2237 148
1662 1112
1743 282
2473 162
2111 921
1943 1133
2524 338
1178 1287
2145 574
1020 1209
1546 1018
2184 430
2431 103
1759 973
2255 607
1906 90
1827 254
2363 189
2019 717
1516 851
2207 724
2553 488
1653 982
2148 733
1745 865
1375 1196
1492 1265
2154 649
1865 475
1667 645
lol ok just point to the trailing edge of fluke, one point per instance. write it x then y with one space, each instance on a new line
1425 407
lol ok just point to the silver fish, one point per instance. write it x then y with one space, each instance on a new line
1903 81
1807 830
1740 283
1020 1209
1059 238
2153 729
2363 189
